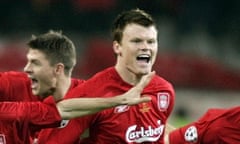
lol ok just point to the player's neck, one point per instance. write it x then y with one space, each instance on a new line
62 88
127 75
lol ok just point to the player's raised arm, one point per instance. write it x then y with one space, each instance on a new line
77 107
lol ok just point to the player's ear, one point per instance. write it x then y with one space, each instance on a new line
116 48
59 68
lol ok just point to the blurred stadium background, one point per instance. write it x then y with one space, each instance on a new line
198 43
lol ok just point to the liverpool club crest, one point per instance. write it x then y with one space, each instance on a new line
163 100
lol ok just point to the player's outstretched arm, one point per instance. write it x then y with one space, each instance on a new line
77 107
168 130
34 112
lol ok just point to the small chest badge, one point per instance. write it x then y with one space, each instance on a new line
163 101
63 123
121 109
144 108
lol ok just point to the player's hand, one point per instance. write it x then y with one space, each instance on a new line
133 96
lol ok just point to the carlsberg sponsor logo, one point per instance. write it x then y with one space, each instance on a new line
149 134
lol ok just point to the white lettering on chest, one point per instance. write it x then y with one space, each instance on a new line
149 134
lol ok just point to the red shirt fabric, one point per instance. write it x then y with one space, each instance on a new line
19 120
14 86
217 126
20 111
66 131
143 123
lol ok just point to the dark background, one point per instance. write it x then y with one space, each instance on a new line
198 40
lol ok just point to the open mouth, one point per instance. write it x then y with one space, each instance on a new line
143 58
34 83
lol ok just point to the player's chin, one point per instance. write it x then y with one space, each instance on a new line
141 70
144 72
41 96
35 92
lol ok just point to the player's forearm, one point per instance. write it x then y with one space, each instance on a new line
77 107
168 130
166 139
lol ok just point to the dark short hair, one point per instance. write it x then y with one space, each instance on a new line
57 47
135 16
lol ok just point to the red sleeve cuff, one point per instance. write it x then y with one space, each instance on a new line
184 135
44 113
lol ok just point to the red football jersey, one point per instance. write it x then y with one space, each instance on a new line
20 111
19 119
217 126
15 86
66 132
143 123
